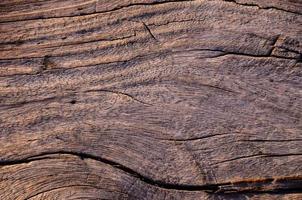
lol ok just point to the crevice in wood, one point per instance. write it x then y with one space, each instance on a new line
149 31
191 139
67 44
225 53
283 185
120 93
269 140
131 172
100 12
270 185
264 8
73 101
146 27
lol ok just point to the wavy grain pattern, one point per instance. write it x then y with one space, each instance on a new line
150 99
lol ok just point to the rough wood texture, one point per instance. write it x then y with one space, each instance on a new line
150 99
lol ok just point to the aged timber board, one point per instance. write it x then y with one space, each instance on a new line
150 99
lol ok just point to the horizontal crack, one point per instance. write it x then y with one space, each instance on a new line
49 99
70 43
264 8
131 172
225 53
275 185
269 140
141 57
119 93
134 58
106 11
191 139
285 184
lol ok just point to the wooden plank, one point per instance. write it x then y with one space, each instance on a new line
154 99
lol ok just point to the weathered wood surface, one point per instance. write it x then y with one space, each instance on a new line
150 99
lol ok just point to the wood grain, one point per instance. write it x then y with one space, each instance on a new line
150 99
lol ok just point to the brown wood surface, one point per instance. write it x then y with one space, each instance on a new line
150 99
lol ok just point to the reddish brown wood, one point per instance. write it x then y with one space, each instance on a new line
152 99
